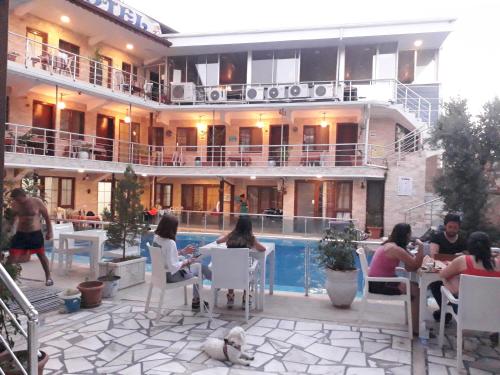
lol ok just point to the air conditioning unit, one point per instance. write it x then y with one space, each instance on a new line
216 95
255 93
183 92
300 90
324 91
276 92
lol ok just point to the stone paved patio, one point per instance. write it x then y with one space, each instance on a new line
127 341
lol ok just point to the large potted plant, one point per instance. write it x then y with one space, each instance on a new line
124 231
374 225
336 253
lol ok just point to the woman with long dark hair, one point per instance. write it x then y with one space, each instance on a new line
178 270
387 257
241 237
480 262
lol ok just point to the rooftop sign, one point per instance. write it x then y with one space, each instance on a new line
128 14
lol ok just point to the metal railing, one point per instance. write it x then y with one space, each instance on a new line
23 139
31 335
414 103
409 143
56 61
427 214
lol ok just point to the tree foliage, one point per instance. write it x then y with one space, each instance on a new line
469 147
128 223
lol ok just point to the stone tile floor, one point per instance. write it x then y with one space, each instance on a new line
124 340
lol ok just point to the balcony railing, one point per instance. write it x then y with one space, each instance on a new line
23 139
55 61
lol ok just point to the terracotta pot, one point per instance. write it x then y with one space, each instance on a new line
375 232
91 293
9 368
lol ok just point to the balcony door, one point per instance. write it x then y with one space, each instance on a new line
129 142
347 137
36 43
43 138
216 142
101 71
278 137
105 132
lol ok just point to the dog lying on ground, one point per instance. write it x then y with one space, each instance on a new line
230 349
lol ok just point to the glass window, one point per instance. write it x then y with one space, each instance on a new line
344 196
50 193
286 66
177 69
72 121
261 198
157 136
426 70
317 136
262 67
203 70
251 140
359 62
406 66
233 68
103 196
68 57
318 64
66 192
187 137
163 195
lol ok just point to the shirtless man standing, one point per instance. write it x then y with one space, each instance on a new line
28 231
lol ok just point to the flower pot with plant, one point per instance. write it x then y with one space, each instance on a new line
125 230
111 283
374 224
91 293
72 299
336 253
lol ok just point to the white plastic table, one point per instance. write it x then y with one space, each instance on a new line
261 257
96 237
424 279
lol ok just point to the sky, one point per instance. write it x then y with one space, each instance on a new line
469 64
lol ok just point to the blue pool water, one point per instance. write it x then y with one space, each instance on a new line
289 268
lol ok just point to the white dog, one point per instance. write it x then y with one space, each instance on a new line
231 349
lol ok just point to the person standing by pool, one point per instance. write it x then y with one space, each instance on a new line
241 237
243 204
387 257
27 226
178 270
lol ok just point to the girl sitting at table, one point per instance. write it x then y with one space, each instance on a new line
178 270
387 257
241 237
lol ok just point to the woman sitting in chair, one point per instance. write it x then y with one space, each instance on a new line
241 237
387 257
178 270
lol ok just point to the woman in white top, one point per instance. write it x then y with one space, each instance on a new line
178 270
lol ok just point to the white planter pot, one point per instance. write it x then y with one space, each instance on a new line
131 272
83 155
341 287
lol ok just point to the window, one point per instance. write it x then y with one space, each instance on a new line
316 136
275 66
163 195
199 197
426 69
359 62
156 136
49 191
187 138
406 66
263 197
318 64
410 142
233 68
104 189
72 56
66 192
339 199
177 69
72 121
127 69
203 70
262 66
58 192
251 140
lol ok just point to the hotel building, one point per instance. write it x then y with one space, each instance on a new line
321 124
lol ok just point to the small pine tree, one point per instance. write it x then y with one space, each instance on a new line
128 222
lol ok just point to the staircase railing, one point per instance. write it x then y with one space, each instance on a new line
413 102
431 205
31 335
411 142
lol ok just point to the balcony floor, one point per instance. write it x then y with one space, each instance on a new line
295 334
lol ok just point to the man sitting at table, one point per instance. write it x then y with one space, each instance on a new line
448 242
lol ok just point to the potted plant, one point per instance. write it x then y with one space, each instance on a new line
91 293
111 283
9 329
374 224
336 253
125 230
72 299
84 150
12 56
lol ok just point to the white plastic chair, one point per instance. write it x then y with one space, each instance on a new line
159 280
406 298
478 308
231 270
63 251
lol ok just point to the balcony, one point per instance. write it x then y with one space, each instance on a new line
28 146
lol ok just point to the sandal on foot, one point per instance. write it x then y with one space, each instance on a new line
49 282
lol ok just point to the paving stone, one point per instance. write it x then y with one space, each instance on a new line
62 344
401 343
131 339
267 348
111 351
401 370
301 340
160 343
274 366
169 336
299 356
96 327
394 332
336 327
376 336
171 367
258 331
295 367
280 346
53 364
76 352
269 323
287 324
355 359
78 365
365 371
176 347
392 355
255 340
435 369
308 326
187 354
327 370
105 337
487 364
260 359
442 360
328 352
156 357
368 329
347 343
344 335
152 364
279 334
92 343
475 371
213 371
116 332
124 359
183 328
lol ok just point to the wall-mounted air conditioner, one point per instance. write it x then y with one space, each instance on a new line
183 92
276 92
254 93
216 95
324 91
300 90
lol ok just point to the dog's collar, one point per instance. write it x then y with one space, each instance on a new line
224 348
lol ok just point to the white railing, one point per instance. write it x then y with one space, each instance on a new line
31 314
414 103
55 61
426 213
23 139
411 142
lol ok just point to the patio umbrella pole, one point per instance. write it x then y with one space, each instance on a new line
4 32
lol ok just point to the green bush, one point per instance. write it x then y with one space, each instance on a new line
336 249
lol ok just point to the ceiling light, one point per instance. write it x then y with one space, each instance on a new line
128 116
60 103
202 127
65 19
319 176
129 46
127 119
323 123
252 177
417 43
81 171
260 123
144 175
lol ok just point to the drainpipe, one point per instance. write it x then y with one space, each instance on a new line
4 32
367 132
